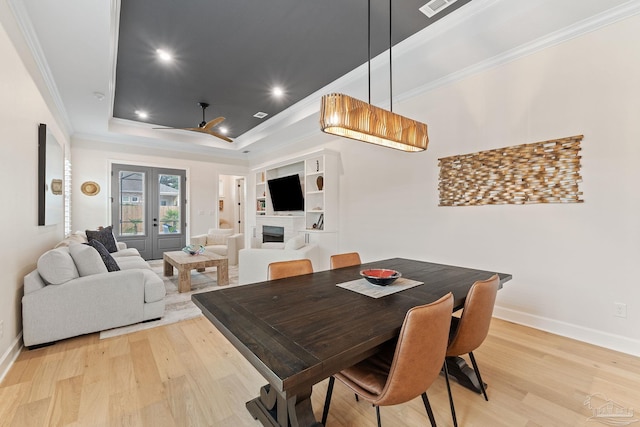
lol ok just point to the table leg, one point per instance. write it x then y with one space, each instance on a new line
184 279
463 373
168 268
223 273
275 410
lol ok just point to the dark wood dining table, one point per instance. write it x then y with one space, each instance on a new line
301 330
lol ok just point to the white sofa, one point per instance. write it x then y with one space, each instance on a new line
254 262
221 241
72 293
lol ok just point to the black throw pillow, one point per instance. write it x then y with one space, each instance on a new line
104 236
108 260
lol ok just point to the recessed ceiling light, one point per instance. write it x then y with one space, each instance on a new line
260 115
277 91
142 114
164 55
223 130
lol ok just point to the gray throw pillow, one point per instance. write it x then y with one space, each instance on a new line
104 236
108 260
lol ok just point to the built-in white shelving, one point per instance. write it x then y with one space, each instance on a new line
318 174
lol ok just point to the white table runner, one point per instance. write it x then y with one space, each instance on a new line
363 287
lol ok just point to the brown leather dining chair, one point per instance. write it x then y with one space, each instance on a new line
282 269
345 260
405 369
470 330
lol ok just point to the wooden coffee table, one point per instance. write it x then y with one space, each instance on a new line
185 263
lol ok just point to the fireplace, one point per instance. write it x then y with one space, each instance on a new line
272 233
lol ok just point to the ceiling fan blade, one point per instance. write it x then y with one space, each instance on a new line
206 127
212 123
217 135
210 132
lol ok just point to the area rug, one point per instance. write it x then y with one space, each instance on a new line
178 306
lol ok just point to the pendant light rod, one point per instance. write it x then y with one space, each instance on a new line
348 117
369 47
390 68
390 55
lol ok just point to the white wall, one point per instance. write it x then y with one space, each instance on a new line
22 108
570 262
92 163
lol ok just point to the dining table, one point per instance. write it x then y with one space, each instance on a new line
300 330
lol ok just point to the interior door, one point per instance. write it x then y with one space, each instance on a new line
148 208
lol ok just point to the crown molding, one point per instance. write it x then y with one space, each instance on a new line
114 31
578 29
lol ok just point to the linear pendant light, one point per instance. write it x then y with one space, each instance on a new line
343 115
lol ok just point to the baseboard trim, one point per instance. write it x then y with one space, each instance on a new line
10 356
580 333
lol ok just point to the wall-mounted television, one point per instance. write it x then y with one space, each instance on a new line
286 193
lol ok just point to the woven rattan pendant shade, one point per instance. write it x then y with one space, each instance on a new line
349 117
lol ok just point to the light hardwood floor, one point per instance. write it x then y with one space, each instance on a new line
187 374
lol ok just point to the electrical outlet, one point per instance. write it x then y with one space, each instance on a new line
620 310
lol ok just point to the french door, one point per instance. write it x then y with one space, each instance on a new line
148 208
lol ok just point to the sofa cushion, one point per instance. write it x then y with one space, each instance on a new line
154 289
295 243
108 260
221 250
104 236
57 267
87 259
132 262
126 252
218 236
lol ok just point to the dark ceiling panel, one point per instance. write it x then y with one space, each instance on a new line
231 53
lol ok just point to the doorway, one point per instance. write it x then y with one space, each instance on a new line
231 196
148 208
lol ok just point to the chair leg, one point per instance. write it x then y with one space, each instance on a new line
453 410
475 368
427 406
378 415
327 400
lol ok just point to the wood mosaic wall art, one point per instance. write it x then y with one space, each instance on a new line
541 172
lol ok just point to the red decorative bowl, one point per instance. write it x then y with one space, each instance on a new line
380 276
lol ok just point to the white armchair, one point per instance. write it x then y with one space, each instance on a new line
222 242
254 262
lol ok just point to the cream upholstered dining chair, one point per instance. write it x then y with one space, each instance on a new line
345 260
470 330
282 269
404 370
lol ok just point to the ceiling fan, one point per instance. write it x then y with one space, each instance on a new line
206 127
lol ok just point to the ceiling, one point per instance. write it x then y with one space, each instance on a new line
99 64
232 54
